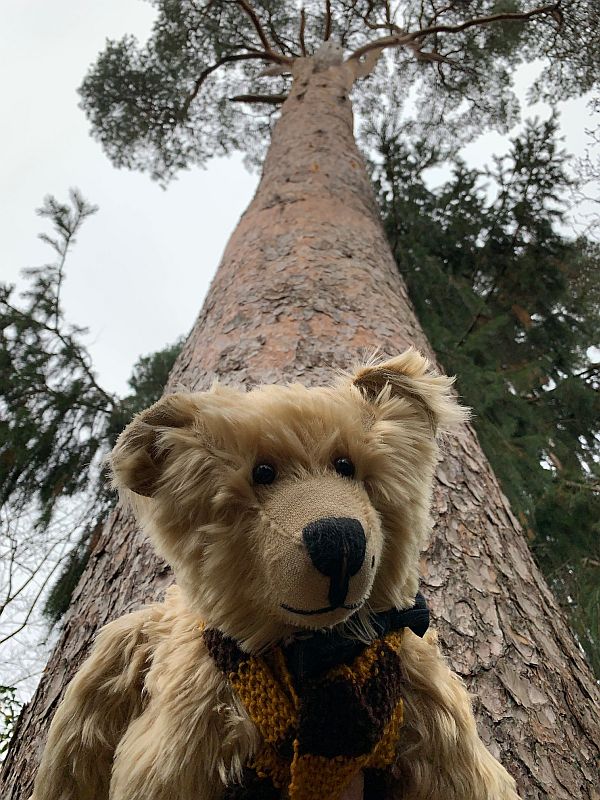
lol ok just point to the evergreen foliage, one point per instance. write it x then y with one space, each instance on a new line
148 379
53 410
59 597
57 422
511 304
175 100
10 708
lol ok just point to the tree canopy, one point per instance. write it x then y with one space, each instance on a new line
512 306
213 73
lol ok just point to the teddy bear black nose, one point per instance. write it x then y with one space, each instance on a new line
336 546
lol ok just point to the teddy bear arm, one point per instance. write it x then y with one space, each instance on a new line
441 756
193 737
97 707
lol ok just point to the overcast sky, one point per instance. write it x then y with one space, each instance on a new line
139 272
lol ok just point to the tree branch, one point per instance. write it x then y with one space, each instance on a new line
327 32
27 581
302 29
34 603
589 487
279 41
272 99
401 39
258 56
421 55
60 270
363 68
251 13
388 25
593 367
67 341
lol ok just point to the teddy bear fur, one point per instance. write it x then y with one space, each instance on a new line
149 716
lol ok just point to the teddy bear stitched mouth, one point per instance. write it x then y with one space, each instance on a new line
310 612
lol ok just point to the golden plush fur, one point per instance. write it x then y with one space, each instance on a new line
149 716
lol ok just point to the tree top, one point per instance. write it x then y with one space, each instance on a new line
213 74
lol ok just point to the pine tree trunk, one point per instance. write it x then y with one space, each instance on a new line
308 283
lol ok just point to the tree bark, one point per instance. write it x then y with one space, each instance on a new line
308 283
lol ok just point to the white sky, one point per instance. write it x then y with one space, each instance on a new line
141 267
139 272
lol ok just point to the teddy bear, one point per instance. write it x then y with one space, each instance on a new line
290 659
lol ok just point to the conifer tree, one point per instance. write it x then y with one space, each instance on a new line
57 424
512 306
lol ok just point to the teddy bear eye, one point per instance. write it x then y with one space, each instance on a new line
264 473
343 466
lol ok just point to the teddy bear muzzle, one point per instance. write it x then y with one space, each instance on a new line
336 548
321 542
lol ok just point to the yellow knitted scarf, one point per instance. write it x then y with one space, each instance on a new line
316 733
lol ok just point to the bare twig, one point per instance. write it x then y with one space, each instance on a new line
8 596
432 56
388 16
32 574
32 606
388 25
589 370
282 44
60 270
437 12
251 13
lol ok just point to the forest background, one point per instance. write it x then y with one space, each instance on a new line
115 278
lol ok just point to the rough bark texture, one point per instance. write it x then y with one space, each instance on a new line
306 284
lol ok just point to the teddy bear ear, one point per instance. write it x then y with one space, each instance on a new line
411 376
140 453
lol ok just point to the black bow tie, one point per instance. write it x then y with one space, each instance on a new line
319 652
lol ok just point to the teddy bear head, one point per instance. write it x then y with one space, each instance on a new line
289 508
